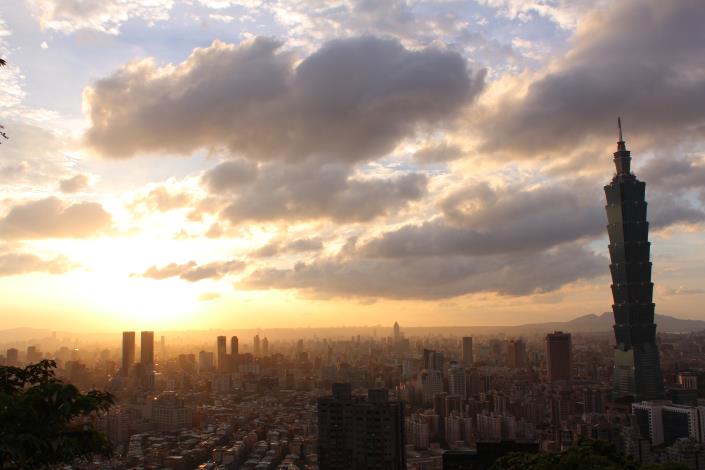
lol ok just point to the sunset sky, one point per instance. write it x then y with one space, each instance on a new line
217 163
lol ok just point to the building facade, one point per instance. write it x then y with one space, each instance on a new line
637 370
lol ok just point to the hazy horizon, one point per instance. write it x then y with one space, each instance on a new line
220 165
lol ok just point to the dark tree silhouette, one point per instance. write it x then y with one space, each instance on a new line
586 455
45 422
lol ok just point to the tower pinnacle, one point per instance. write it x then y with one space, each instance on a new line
622 156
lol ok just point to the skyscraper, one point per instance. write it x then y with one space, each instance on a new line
147 349
467 351
222 354
234 352
558 356
128 352
355 433
265 347
397 333
637 369
256 346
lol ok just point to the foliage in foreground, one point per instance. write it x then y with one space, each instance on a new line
586 455
44 422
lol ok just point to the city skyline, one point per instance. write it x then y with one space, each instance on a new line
291 165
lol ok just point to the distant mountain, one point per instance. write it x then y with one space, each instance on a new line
604 322
22 334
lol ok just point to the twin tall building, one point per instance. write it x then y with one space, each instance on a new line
637 369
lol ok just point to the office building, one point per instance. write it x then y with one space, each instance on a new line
222 354
265 347
256 346
637 369
558 356
397 333
357 433
147 349
205 361
516 353
234 352
467 356
13 357
128 352
456 380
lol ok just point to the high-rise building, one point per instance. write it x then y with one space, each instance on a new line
456 380
256 346
558 356
234 352
265 347
467 351
516 353
637 369
128 352
355 433
147 349
222 354
13 357
205 361
397 333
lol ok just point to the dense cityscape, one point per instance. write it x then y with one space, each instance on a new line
255 404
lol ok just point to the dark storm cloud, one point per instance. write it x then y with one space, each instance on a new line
300 192
435 277
641 59
351 100
193 272
12 264
53 218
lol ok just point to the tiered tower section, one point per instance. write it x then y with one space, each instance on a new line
637 370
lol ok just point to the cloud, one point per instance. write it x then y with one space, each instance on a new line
12 264
352 100
208 296
230 176
74 183
278 247
438 153
435 277
32 155
681 290
54 218
107 16
641 59
193 272
161 199
300 192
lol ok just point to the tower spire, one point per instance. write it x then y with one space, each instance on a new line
621 156
619 124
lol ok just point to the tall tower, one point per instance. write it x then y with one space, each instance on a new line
222 354
234 352
397 333
467 351
637 369
128 352
147 349
256 346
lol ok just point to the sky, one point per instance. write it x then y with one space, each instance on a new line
197 164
